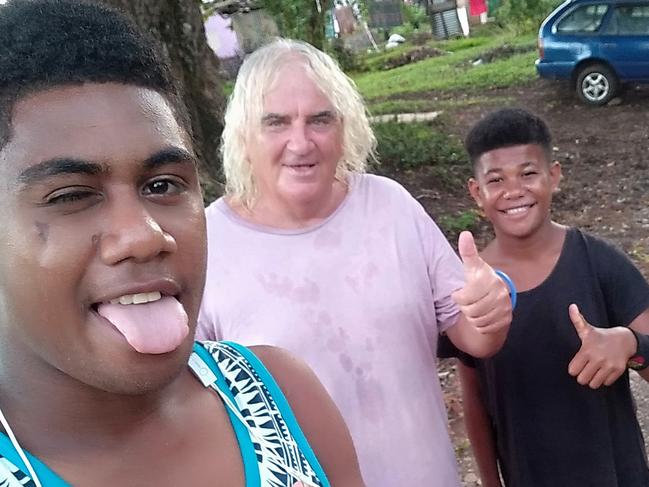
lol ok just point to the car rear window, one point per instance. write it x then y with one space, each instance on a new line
583 19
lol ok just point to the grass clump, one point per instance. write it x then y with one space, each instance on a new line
454 71
457 223
411 145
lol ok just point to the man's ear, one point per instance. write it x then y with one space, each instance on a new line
474 189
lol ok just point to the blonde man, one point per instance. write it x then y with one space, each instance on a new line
343 268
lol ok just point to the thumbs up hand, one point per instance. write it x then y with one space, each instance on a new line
484 299
604 352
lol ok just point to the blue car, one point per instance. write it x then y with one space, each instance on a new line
596 45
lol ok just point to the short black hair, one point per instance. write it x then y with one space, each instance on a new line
50 43
507 127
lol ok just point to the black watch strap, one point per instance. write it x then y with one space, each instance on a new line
640 360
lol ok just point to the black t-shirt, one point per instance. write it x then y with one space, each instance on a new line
551 431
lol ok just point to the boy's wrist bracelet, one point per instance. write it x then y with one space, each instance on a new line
640 359
510 285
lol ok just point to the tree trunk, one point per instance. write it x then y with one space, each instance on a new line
316 29
178 25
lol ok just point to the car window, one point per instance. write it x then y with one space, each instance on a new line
629 20
583 19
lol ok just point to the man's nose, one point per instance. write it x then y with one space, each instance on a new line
299 142
132 233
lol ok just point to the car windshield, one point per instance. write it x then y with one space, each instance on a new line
585 18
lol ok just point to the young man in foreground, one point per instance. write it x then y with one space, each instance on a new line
102 266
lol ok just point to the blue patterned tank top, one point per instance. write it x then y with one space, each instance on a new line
274 450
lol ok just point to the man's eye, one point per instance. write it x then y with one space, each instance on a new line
322 121
529 173
68 196
274 122
163 187
494 180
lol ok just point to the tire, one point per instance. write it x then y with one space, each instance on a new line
596 84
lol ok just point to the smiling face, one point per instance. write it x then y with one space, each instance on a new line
514 186
296 147
102 203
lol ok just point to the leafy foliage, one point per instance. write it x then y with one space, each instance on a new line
300 19
414 15
464 220
415 21
346 58
411 145
524 15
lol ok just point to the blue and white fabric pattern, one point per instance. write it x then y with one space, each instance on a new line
274 450
12 476
282 454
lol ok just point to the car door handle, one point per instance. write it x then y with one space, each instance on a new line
609 45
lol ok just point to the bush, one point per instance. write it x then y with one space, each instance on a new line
415 23
411 145
345 56
414 15
524 15
404 30
464 220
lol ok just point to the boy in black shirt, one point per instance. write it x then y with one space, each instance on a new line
553 408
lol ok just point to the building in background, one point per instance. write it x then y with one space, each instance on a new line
237 28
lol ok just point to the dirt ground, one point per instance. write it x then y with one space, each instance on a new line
604 153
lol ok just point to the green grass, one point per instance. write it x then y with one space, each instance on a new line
373 61
433 104
464 220
412 145
454 72
403 106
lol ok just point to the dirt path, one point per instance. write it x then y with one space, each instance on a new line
604 153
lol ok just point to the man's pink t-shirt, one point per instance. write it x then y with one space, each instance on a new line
361 298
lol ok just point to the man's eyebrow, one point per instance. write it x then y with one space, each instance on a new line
170 155
58 166
324 114
279 116
273 116
69 165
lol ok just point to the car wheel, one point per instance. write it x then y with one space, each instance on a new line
596 84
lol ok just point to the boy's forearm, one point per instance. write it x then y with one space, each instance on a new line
484 452
479 428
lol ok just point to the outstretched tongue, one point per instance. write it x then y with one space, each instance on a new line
156 327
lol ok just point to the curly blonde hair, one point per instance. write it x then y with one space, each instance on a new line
258 73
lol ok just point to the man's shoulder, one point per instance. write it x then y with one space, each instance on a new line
215 207
376 182
381 190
